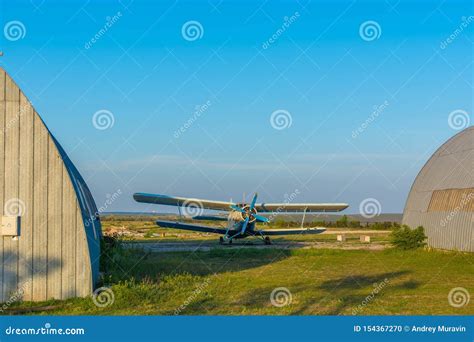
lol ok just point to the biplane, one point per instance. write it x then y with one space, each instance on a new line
242 218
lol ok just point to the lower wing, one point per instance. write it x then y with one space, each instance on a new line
292 231
193 227
210 218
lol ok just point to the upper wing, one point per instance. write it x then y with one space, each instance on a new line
193 227
182 201
300 207
225 206
293 231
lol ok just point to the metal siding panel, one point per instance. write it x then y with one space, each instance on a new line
68 239
2 169
11 200
83 269
419 201
87 206
55 226
460 142
12 92
26 194
452 236
2 85
40 214
452 200
12 150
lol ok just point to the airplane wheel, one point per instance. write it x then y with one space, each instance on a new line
267 241
221 240
230 242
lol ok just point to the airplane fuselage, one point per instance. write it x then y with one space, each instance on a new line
235 229
235 223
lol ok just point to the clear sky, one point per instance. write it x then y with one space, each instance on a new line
368 87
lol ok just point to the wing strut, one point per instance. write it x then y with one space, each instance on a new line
304 216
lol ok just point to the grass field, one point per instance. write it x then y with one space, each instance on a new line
235 281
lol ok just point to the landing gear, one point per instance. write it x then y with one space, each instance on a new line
224 239
267 240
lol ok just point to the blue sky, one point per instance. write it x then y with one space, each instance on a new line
318 69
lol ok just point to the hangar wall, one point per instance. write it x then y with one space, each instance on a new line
442 196
56 255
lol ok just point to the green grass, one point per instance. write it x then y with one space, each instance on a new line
235 281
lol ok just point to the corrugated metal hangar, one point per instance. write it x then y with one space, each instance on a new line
50 233
442 196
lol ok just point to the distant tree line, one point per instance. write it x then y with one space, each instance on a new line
343 222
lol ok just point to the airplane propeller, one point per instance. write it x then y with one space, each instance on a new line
250 213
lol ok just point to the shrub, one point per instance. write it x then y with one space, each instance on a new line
114 257
342 222
354 224
279 222
150 233
407 238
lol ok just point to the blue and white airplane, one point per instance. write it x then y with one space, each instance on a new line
242 218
